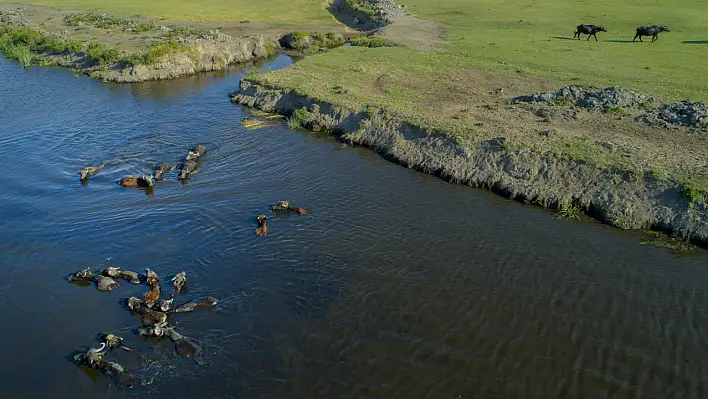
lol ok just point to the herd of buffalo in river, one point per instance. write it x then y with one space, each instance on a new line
152 308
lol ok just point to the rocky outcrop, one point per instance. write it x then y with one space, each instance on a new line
623 101
684 113
367 14
590 98
615 197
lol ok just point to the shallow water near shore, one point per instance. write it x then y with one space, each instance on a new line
397 285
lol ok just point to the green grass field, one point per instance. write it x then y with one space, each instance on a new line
291 12
532 37
492 42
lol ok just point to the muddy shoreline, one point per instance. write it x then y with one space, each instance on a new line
618 198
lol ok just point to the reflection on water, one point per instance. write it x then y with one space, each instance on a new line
397 285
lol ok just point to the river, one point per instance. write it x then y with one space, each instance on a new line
397 285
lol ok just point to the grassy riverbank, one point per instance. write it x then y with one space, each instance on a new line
460 62
495 51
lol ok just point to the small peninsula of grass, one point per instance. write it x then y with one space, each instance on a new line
287 12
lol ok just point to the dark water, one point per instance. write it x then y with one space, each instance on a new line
398 285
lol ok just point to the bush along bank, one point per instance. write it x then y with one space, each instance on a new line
618 198
163 59
311 42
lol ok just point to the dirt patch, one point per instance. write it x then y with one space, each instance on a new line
418 34
389 20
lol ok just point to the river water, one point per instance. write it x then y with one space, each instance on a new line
397 285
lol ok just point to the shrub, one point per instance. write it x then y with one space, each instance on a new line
54 45
692 193
101 54
371 41
313 41
157 51
153 53
364 8
24 55
561 101
271 49
568 211
24 36
299 119
16 51
616 110
5 43
252 72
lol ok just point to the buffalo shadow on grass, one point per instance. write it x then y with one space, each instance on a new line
695 42
621 41
563 38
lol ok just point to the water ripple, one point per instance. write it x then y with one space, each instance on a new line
395 285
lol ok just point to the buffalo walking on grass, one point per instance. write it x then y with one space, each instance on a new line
652 30
590 30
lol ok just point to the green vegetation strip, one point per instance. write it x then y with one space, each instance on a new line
154 53
314 41
26 45
371 42
21 44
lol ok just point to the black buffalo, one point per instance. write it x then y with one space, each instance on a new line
590 30
652 31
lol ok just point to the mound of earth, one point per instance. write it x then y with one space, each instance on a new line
590 98
684 113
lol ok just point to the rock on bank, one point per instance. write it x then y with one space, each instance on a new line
619 198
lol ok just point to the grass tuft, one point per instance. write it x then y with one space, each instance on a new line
616 111
102 54
154 53
299 119
692 193
568 211
561 101
371 42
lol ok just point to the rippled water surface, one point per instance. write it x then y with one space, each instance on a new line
397 285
